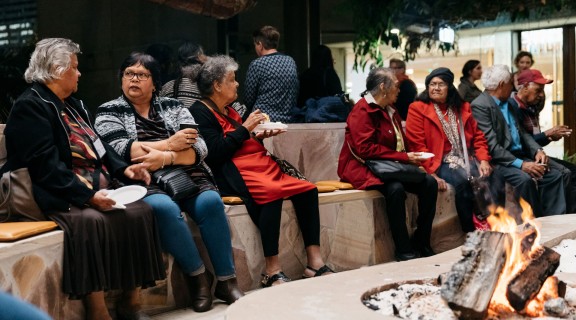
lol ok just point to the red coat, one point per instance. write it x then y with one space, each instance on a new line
425 134
370 133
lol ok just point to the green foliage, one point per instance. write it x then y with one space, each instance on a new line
374 20
570 158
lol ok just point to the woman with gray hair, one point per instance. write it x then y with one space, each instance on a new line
50 133
242 168
374 131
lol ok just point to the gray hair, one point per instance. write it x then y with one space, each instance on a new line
378 76
214 69
50 59
493 76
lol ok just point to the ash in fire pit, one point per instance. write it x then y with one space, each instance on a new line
421 299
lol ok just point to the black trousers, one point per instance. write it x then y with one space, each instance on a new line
307 213
395 194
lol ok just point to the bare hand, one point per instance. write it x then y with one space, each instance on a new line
558 132
101 202
414 157
541 157
269 133
485 168
138 172
442 185
254 119
535 170
182 139
153 159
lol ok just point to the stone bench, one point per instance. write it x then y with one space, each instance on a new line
354 233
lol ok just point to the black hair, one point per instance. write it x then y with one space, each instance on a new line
322 58
469 66
453 99
148 62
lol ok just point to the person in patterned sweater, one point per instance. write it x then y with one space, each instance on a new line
272 79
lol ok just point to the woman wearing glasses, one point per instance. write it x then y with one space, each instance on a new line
143 127
433 126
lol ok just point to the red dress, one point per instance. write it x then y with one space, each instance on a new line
263 177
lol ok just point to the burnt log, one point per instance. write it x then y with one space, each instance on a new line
528 282
471 282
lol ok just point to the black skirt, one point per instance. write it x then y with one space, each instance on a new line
117 249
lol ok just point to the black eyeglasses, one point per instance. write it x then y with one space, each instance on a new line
129 75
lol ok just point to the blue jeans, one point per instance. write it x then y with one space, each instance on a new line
207 211
13 308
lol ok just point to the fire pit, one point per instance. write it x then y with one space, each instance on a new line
503 273
339 296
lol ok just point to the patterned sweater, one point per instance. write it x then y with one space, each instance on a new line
116 124
272 86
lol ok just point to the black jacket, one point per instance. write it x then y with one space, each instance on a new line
37 138
221 149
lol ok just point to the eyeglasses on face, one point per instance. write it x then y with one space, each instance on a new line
129 75
439 85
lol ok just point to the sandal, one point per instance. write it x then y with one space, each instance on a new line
267 280
321 271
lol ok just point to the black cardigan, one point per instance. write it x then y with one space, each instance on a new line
221 149
37 138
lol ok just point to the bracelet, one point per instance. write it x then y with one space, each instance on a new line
168 143
172 156
163 159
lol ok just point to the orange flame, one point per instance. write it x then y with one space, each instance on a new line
516 260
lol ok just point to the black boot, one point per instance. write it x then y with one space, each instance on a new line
228 291
200 288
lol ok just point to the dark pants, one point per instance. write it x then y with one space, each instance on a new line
546 196
458 178
395 193
307 213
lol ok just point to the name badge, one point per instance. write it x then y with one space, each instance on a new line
536 130
99 148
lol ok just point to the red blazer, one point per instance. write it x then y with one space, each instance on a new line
425 134
370 133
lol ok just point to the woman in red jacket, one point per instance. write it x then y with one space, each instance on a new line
374 131
433 126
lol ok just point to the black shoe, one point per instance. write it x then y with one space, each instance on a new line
127 314
426 251
228 291
406 256
200 288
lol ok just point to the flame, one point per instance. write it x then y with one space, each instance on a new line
518 250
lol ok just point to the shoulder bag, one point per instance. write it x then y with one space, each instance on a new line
17 198
392 170
176 182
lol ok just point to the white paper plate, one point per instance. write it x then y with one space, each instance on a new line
426 155
270 126
126 195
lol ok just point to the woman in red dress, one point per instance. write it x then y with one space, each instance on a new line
242 168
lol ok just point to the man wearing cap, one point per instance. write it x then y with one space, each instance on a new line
516 156
529 101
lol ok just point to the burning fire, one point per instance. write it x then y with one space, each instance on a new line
525 243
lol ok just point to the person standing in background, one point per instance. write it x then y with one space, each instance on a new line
522 61
272 79
320 80
407 88
190 58
471 72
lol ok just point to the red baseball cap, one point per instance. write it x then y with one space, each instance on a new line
532 75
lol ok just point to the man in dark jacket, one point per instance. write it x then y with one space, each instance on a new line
529 101
407 88
515 154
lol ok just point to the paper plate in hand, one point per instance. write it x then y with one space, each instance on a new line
426 155
270 126
126 195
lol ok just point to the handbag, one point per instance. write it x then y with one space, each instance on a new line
392 170
480 213
176 182
17 198
288 168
